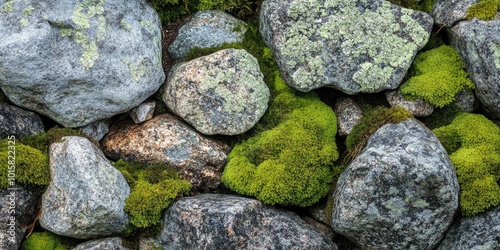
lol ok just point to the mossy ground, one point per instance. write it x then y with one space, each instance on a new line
44 241
484 10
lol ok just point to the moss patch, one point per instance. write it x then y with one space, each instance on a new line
485 10
420 5
44 241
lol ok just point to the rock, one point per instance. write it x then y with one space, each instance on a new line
448 12
349 113
77 62
355 46
215 221
417 107
320 227
18 122
148 243
18 211
229 90
478 43
87 194
114 243
401 192
476 233
97 130
165 139
318 212
207 29
143 112
466 101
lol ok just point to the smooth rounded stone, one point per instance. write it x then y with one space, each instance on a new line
478 43
86 196
114 243
18 208
143 112
229 89
97 130
18 122
401 192
481 232
355 46
348 113
447 13
207 29
216 221
166 139
466 101
77 62
417 107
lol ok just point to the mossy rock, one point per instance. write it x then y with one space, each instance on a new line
484 10
44 241
421 5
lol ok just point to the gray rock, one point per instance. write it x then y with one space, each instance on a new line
355 46
165 139
228 88
481 232
348 113
78 61
417 107
17 211
18 122
320 227
207 29
466 101
97 130
86 196
478 43
318 212
215 221
401 192
143 112
448 12
147 242
114 243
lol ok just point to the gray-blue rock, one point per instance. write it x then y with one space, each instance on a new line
447 13
79 61
97 130
417 107
18 122
114 243
401 192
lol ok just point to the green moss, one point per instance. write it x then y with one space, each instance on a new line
439 76
42 141
473 143
425 5
43 241
485 10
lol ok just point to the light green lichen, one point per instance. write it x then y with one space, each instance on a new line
495 49
24 22
101 29
369 75
66 32
80 18
7 6
148 24
420 203
125 25
28 10
137 70
90 54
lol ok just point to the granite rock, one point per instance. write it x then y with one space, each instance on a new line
348 113
447 13
143 112
114 243
18 122
97 130
417 107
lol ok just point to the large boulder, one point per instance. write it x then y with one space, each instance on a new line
166 139
18 122
86 196
215 221
229 90
401 192
478 43
78 61
447 13
350 45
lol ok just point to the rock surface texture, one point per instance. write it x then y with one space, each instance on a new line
78 62
229 90
351 45
448 12
18 122
97 130
478 43
401 192
348 113
417 107
166 139
207 29
143 112
215 221
87 194
114 243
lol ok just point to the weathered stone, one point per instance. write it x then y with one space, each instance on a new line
478 43
18 122
466 101
320 227
348 113
165 139
215 221
143 112
86 196
417 107
17 211
481 232
355 46
318 212
207 29
79 61
114 243
401 192
229 90
97 130
448 12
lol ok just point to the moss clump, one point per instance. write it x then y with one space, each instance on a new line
485 10
153 187
425 5
473 143
43 140
439 76
43 241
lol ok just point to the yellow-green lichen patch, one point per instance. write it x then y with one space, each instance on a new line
137 70
125 25
66 32
28 10
495 49
7 6
24 22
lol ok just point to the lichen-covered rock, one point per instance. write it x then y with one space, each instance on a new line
215 221
401 192
417 107
466 101
481 232
114 243
17 211
79 61
97 130
87 194
448 12
143 112
165 139
353 46
478 43
229 90
207 29
348 114
18 122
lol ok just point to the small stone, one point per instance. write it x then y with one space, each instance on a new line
143 112
348 113
115 243
466 101
417 107
97 130
318 212
447 13
18 122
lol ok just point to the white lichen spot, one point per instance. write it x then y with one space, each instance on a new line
420 203
80 18
101 29
28 10
7 6
24 22
90 55
148 24
495 49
